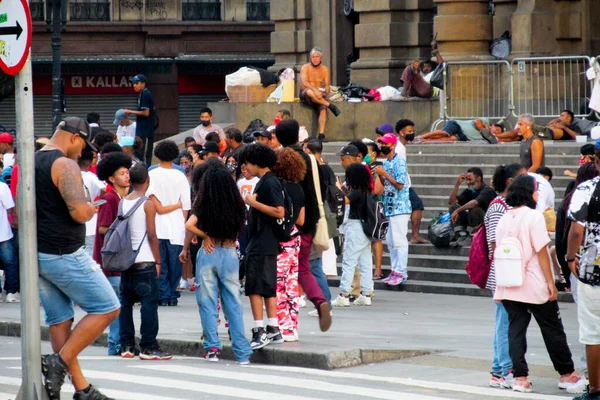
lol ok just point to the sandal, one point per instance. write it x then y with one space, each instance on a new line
377 277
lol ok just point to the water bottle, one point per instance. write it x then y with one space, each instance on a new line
445 218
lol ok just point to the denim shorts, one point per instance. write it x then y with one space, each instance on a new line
454 129
77 278
415 201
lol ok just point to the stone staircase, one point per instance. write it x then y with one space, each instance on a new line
433 169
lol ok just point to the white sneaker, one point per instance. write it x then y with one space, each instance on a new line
362 301
315 313
291 338
183 284
578 387
341 301
13 298
301 301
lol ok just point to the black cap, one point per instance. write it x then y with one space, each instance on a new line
78 126
139 78
263 133
349 150
210 147
587 149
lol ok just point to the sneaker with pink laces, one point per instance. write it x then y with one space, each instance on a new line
397 280
575 383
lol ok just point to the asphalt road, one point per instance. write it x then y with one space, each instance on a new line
193 378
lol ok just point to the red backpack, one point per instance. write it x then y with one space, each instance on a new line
479 264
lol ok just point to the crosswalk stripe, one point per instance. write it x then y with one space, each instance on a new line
67 388
452 387
240 393
311 384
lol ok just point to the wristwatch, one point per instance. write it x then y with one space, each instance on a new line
569 261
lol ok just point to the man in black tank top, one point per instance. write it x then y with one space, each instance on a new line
67 273
531 151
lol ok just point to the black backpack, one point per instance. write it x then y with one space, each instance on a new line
284 226
375 223
254 125
336 201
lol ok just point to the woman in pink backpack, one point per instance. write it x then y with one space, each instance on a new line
501 375
523 229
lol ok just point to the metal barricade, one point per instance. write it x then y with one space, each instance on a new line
477 89
545 86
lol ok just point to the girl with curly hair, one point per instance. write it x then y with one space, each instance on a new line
218 218
290 169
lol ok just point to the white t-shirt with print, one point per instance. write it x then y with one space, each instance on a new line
546 193
93 186
6 203
169 186
126 131
246 186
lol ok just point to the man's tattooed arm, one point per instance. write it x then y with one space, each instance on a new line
67 177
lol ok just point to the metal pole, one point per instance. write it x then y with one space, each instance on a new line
30 302
56 71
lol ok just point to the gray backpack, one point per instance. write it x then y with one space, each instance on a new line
117 253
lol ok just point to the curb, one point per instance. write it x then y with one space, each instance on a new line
270 355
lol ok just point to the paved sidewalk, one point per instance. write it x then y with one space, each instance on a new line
398 326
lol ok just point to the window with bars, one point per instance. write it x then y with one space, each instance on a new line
36 7
258 10
89 10
201 10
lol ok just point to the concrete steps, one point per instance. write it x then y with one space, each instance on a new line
433 170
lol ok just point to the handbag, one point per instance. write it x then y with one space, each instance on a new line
321 238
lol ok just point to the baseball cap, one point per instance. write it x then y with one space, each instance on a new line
263 133
383 129
139 78
126 141
78 126
349 150
388 138
588 149
119 116
210 147
6 137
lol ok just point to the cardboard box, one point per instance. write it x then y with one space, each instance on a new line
250 94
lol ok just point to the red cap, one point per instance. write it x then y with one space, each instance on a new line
6 137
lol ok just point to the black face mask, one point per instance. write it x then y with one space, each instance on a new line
205 123
410 137
316 66
385 150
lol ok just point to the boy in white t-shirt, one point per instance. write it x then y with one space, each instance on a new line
8 252
169 187
126 127
94 187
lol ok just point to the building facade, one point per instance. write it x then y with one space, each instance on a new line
184 47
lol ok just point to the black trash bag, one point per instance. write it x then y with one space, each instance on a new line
441 230
501 47
253 126
437 79
356 91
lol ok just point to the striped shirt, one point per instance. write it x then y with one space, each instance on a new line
495 211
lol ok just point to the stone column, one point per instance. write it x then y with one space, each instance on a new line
292 39
464 29
390 34
549 27
503 11
234 10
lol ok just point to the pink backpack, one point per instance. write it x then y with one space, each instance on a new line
479 264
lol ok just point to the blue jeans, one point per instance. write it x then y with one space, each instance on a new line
113 329
316 268
170 272
219 273
357 253
139 285
9 257
502 363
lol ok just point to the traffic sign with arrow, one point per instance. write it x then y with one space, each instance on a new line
15 35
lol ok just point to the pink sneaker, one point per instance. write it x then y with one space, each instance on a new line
567 381
397 280
390 276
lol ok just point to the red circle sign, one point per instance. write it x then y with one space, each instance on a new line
15 35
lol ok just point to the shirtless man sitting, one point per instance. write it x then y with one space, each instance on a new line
314 88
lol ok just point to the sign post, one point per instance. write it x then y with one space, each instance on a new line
15 45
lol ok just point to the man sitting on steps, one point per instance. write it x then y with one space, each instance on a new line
469 207
314 88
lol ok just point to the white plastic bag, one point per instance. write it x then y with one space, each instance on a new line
242 77
287 75
389 93
275 96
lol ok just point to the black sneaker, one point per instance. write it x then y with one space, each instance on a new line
259 338
91 394
129 351
155 354
163 303
173 303
322 138
333 108
54 370
274 335
212 355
